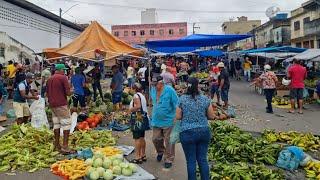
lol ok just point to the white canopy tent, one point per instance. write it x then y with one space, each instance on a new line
308 55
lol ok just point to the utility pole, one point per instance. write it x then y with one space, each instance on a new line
194 27
60 29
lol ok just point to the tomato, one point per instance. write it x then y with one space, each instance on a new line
92 125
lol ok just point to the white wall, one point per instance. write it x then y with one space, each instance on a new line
31 29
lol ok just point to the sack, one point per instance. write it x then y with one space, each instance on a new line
290 158
175 133
74 118
38 114
11 114
139 121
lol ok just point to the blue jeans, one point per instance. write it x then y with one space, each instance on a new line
195 144
224 94
269 95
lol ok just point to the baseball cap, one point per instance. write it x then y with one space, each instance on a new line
60 67
29 75
220 65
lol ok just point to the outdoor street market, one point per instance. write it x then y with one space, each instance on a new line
107 105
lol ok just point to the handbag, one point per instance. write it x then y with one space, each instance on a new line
139 121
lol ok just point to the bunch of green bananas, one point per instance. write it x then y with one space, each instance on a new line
243 171
306 141
313 170
280 100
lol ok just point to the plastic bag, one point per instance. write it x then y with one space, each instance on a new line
74 118
290 158
305 93
38 112
175 133
11 114
231 112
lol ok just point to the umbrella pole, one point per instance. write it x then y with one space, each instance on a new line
42 78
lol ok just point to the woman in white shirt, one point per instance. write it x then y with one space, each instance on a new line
139 101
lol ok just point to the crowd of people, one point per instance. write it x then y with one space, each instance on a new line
154 84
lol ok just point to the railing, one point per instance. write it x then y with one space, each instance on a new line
312 27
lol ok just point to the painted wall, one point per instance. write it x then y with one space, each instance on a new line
161 32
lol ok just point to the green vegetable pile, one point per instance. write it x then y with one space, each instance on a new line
26 148
90 139
243 171
232 150
231 144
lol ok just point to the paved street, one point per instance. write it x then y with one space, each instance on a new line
251 116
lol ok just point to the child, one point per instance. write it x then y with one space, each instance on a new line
214 84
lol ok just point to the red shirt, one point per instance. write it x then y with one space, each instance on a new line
297 73
57 89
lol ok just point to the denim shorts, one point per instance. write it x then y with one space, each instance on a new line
224 94
215 89
116 97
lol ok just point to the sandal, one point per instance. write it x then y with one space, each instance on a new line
67 151
144 158
136 161
291 112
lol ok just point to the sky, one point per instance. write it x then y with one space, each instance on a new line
207 14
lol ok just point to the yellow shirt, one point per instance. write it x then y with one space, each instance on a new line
247 65
11 69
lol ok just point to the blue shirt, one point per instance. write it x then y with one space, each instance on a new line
194 111
164 111
77 81
117 80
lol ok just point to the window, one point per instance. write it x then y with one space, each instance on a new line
298 45
116 33
278 36
306 44
296 25
125 33
151 32
133 33
312 44
170 31
306 20
161 32
142 33
1 51
181 31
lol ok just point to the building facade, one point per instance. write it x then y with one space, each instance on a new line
241 26
33 26
275 32
149 16
305 25
139 33
11 49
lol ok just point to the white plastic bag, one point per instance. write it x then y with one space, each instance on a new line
74 118
39 116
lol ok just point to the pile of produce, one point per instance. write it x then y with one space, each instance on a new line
126 98
220 113
70 169
231 144
104 167
91 122
121 117
280 101
90 139
26 148
311 83
313 170
305 141
200 75
108 151
240 170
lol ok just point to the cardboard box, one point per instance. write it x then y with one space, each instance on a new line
282 93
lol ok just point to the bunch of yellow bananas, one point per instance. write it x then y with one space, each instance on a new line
70 169
108 150
313 170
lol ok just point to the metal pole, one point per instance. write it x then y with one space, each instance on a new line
60 29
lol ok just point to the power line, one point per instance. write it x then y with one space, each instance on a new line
162 9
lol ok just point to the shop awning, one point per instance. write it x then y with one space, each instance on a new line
210 53
274 49
308 55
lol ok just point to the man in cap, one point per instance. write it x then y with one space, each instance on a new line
165 101
58 89
224 84
20 97
117 87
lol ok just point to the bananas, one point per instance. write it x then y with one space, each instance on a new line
108 151
313 170
70 169
280 101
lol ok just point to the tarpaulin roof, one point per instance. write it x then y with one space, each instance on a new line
194 41
274 55
210 53
274 49
92 40
310 54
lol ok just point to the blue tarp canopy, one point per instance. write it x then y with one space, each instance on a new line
210 53
193 42
274 49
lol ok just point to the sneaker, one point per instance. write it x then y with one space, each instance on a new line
167 165
159 157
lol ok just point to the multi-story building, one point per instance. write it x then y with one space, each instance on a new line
305 25
12 49
139 33
33 26
275 32
242 26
